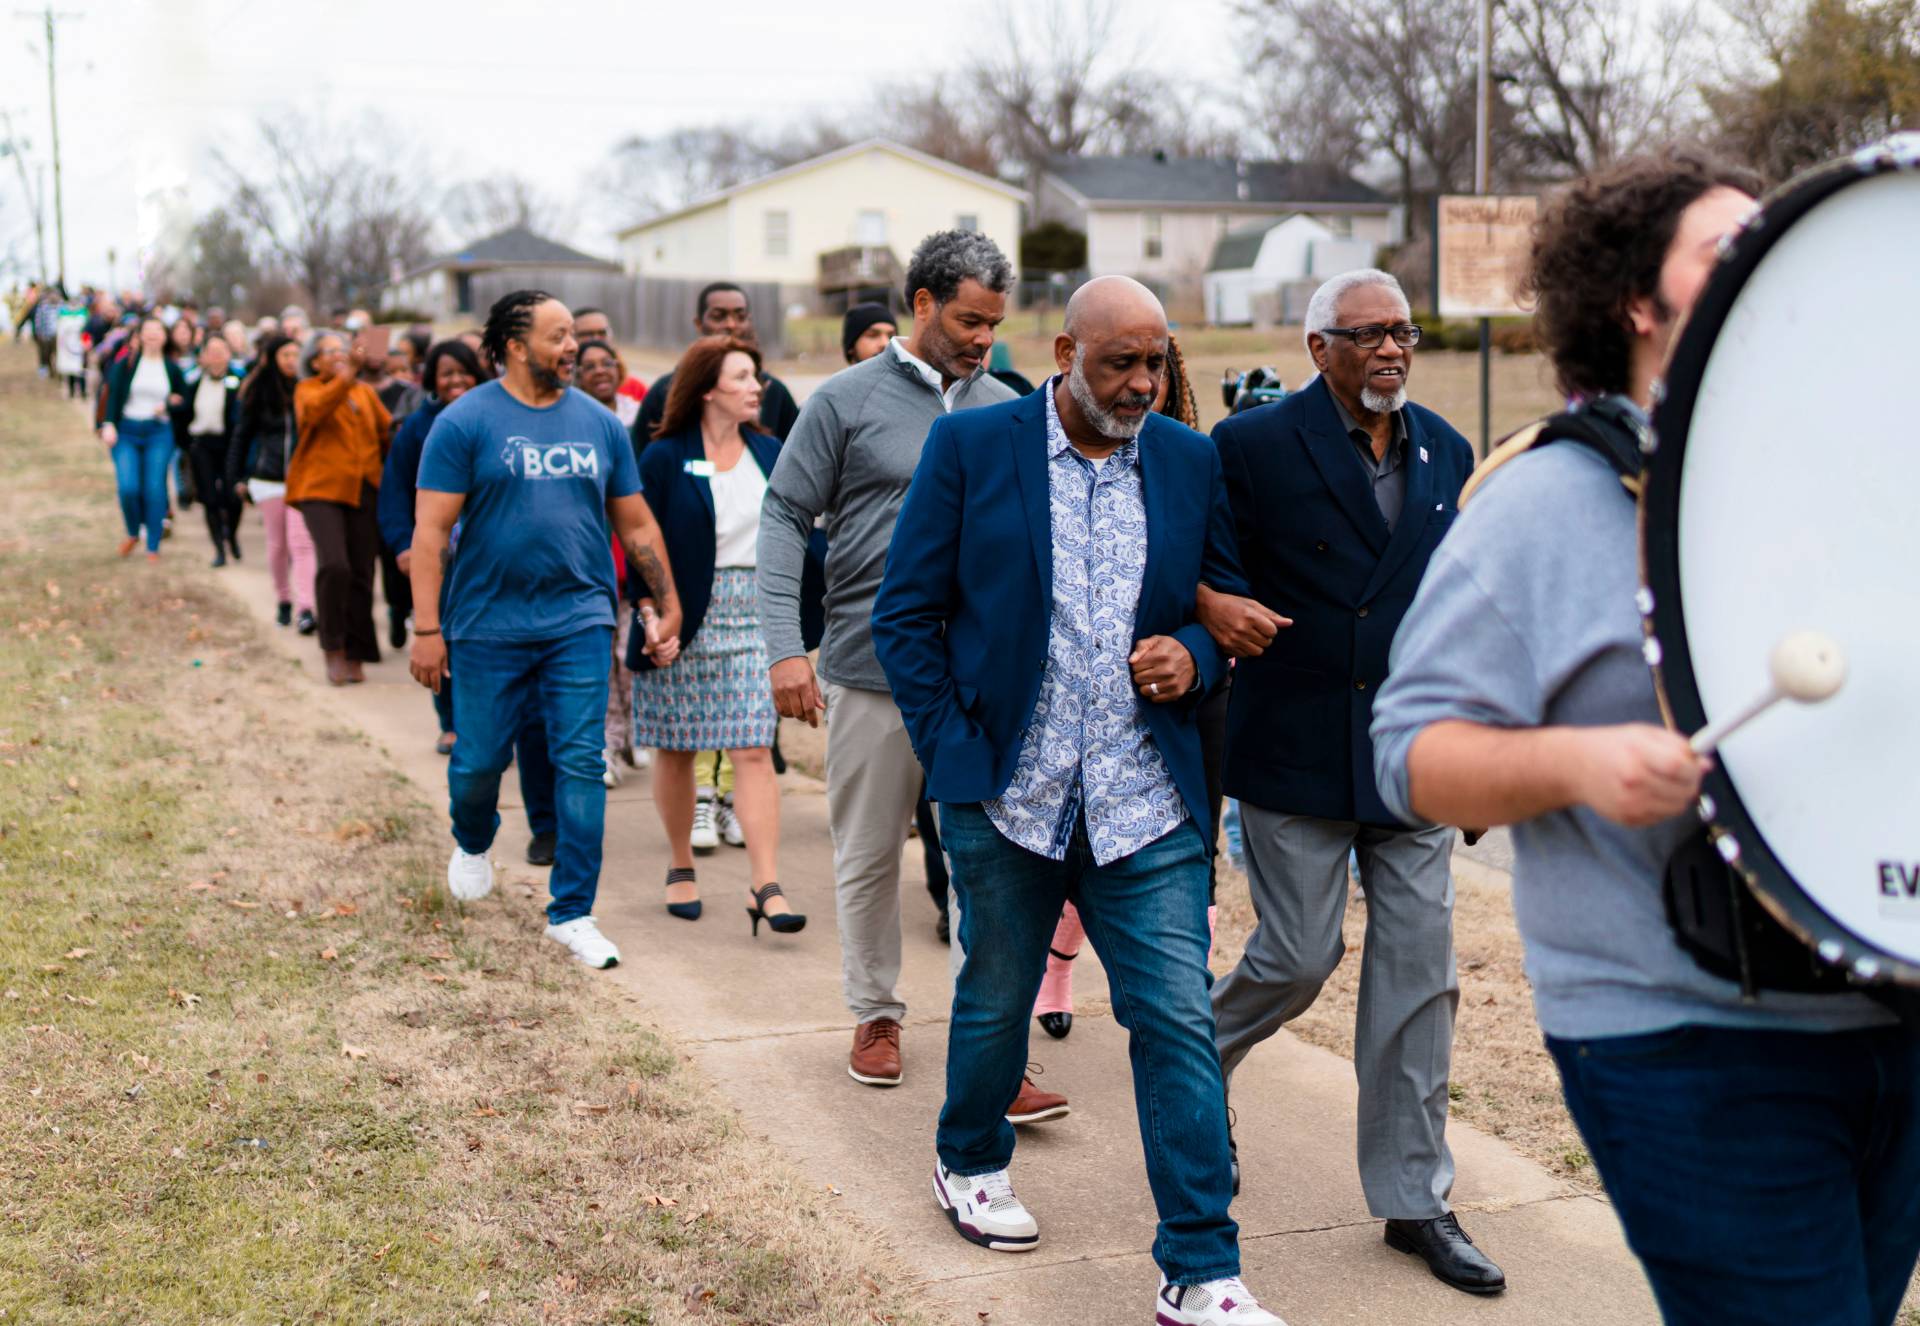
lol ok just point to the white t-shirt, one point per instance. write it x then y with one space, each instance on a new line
209 406
147 393
737 494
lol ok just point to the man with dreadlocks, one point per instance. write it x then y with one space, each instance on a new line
533 471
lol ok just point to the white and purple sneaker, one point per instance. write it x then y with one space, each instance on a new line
985 1211
1215 1303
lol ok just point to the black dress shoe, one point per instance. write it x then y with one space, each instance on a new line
943 927
1449 1253
397 631
1056 1025
284 614
540 849
308 623
219 556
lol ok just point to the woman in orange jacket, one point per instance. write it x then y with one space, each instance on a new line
334 481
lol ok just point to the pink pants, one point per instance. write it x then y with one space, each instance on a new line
289 553
1056 987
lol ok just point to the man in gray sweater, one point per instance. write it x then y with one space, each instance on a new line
850 457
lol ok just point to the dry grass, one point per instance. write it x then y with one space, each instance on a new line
257 1066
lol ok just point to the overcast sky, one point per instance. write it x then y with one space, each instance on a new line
539 88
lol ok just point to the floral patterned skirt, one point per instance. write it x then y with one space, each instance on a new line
716 695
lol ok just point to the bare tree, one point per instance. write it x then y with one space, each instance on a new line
1403 81
219 260
336 217
1588 80
474 208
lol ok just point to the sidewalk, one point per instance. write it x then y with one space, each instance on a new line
765 1021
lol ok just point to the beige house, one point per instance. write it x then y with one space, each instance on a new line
875 195
1158 218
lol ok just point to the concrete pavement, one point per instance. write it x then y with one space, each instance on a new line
765 1021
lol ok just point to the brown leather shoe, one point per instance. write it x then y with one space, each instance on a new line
876 1053
1033 1105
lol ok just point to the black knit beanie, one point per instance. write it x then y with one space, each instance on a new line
859 318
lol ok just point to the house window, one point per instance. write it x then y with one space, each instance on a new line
870 228
778 224
463 292
967 221
1150 241
1341 225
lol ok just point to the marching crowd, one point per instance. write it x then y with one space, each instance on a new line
1075 625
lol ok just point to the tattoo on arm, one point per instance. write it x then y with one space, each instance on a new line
642 558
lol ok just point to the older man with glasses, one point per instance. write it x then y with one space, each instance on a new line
1340 494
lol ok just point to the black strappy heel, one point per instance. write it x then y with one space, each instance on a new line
686 911
783 923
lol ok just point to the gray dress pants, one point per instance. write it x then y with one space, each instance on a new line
873 781
1403 1040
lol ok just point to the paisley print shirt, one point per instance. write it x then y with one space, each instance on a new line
1088 748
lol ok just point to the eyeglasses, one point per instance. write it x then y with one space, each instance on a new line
1406 335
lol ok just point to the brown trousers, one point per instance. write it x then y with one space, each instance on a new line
346 544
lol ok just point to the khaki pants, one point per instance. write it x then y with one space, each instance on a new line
873 781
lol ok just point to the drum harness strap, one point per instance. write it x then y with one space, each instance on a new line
1715 917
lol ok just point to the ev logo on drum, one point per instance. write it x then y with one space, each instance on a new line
1900 888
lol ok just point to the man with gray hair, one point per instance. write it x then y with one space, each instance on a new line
1341 493
850 457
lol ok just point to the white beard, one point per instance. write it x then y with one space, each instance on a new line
1104 423
1383 402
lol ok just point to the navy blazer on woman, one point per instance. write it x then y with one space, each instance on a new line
1317 549
963 615
682 502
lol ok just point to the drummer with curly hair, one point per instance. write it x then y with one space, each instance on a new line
1760 1146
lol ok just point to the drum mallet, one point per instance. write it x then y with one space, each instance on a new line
1805 666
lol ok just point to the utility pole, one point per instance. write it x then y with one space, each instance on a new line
1482 143
50 22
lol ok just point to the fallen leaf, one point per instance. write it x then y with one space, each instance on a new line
438 978
473 1143
353 1051
328 954
384 1250
243 906
233 832
869 1284
486 1112
607 1237
82 1000
200 886
580 1107
73 784
655 1199
482 1297
77 953
182 998
53 590
52 968
345 908
432 1237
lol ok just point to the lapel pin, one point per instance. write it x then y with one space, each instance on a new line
1423 455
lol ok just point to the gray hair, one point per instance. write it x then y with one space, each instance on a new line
313 350
1323 310
947 257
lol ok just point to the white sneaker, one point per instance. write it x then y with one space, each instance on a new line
469 877
1215 1303
985 1211
610 775
729 824
582 936
640 757
706 836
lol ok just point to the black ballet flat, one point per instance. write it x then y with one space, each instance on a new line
686 911
1056 1025
783 923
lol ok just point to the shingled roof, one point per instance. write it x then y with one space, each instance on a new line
515 246
1208 182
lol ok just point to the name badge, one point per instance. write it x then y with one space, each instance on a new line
700 469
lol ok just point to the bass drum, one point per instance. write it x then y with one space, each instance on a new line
1783 494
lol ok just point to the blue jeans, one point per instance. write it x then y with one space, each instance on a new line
1147 917
529 756
1761 1176
141 458
495 685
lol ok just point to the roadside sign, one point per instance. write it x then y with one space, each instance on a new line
1480 253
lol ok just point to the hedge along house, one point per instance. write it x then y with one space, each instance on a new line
1158 218
443 288
1265 273
846 220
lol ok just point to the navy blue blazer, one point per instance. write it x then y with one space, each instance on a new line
683 504
962 617
1317 549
